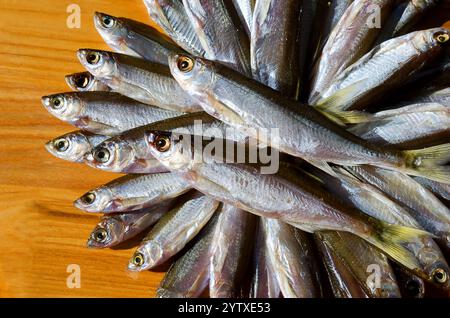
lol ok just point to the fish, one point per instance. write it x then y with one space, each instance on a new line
132 192
334 15
343 283
171 234
131 37
149 83
230 251
291 258
127 152
304 206
373 202
411 286
438 96
411 126
263 281
245 10
117 228
348 41
439 189
170 15
189 275
258 111
389 65
274 25
220 32
357 260
428 210
74 145
409 13
85 82
104 113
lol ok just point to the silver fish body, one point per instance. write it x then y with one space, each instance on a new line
189 275
104 113
149 83
412 126
292 260
74 145
263 283
389 64
220 32
175 229
429 211
118 228
360 259
171 16
230 251
127 152
134 38
275 24
245 9
372 201
349 40
133 192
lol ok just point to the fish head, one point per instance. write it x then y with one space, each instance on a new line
145 257
435 266
113 155
71 146
194 75
111 29
173 150
80 81
107 233
65 106
98 63
98 200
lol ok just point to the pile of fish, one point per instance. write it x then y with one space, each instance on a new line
354 100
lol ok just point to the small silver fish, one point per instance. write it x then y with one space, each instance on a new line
105 113
171 234
74 145
132 192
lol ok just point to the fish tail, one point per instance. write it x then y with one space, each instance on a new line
429 163
391 238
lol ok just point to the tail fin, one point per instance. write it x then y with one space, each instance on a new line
390 238
428 163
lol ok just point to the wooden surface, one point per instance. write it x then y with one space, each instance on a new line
41 233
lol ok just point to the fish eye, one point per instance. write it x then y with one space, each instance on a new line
82 81
88 198
138 259
93 58
102 155
441 37
57 102
61 144
162 143
185 64
440 276
100 235
108 22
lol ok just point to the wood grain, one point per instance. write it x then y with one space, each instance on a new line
41 232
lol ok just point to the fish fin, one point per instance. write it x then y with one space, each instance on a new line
322 165
337 101
428 163
391 238
347 117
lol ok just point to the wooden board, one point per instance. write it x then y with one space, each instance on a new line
41 233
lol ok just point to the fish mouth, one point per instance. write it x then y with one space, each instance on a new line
50 147
45 100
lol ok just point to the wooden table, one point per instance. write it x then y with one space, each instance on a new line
41 233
